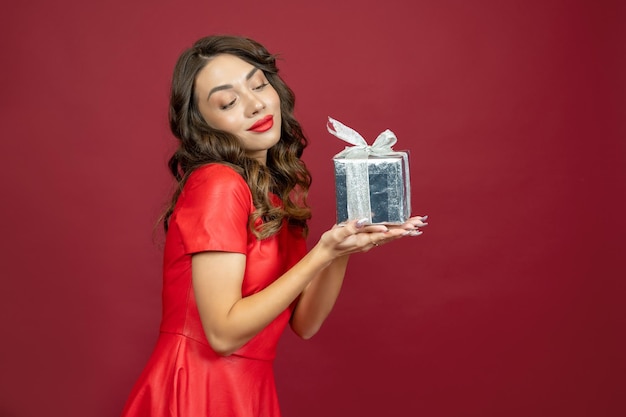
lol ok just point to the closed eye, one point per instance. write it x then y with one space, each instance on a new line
260 87
229 105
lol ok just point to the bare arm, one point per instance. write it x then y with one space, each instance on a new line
319 297
230 320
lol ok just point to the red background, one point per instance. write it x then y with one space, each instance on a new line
510 304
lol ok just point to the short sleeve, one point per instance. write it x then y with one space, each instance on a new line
213 209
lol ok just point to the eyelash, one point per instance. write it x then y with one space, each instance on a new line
258 88
229 105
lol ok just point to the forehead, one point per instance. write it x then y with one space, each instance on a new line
223 69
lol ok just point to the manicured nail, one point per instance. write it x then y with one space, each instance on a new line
412 233
424 218
361 223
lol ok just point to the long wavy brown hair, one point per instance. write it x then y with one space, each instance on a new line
284 174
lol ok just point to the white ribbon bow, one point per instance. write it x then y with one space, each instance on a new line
360 149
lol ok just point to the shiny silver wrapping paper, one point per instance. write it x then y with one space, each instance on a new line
376 188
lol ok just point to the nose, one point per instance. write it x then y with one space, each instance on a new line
255 104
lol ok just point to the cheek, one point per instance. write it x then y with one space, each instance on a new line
220 121
276 100
227 122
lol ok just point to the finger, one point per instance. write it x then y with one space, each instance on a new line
382 238
374 228
396 234
416 221
379 239
413 233
361 223
363 226
352 227
421 219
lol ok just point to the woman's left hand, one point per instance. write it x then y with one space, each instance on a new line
411 228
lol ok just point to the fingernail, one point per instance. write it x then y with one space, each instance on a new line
415 233
424 218
361 223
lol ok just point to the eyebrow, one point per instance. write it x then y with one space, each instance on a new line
227 86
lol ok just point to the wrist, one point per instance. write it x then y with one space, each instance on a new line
321 255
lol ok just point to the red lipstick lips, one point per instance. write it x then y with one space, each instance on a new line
263 124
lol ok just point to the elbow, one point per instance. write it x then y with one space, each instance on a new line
305 333
306 336
222 346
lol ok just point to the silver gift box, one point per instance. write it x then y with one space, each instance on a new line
376 188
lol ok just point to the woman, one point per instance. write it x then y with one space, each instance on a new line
236 270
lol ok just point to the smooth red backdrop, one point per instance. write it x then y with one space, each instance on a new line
510 304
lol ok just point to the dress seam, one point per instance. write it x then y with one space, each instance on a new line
186 337
209 346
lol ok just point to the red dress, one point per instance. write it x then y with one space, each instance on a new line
184 377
